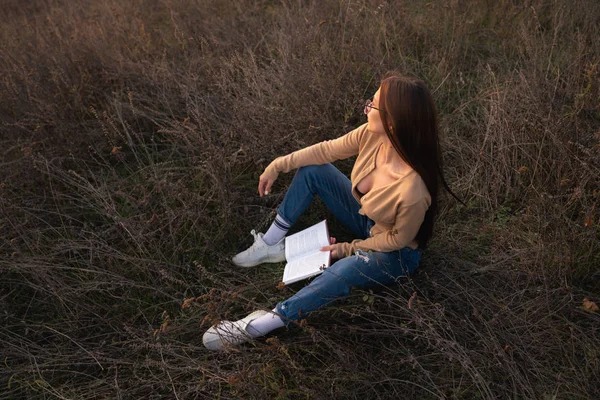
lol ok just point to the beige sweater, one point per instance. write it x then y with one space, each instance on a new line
398 209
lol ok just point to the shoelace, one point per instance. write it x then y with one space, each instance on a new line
256 236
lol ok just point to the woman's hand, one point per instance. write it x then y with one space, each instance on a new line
333 248
264 184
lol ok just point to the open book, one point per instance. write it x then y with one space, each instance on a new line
303 254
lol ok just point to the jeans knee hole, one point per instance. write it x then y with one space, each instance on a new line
362 257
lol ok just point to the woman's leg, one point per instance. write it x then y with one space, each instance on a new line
334 188
361 270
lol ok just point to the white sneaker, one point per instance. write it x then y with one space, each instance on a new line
227 333
260 252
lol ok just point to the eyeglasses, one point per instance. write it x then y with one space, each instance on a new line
369 105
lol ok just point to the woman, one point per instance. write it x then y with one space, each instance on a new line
390 204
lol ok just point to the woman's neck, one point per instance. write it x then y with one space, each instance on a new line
392 159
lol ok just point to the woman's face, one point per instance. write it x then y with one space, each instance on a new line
374 119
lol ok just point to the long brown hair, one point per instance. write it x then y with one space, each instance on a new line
407 106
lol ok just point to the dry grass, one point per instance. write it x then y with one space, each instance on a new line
133 134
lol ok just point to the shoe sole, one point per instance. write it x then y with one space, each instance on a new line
268 259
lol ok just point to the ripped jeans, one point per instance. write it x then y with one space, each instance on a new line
364 269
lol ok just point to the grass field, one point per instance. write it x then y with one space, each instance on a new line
133 134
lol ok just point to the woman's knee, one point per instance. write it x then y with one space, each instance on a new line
358 269
314 170
348 269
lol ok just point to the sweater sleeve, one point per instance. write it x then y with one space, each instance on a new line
408 221
320 153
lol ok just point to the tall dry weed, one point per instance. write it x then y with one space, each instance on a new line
133 134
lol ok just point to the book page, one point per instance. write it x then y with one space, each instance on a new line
305 267
307 240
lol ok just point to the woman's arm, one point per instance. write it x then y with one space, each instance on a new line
408 221
320 153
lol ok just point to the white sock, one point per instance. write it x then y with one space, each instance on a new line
265 324
277 231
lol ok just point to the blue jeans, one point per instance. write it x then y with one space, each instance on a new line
364 269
